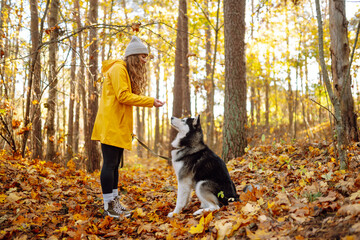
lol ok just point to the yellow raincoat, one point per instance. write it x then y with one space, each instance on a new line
114 120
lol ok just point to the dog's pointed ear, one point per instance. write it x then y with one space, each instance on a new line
197 121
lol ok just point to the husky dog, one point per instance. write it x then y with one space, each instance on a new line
199 168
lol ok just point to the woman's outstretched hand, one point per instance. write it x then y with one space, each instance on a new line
158 103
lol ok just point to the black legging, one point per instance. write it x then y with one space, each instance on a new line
109 176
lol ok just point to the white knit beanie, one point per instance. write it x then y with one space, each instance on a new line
135 47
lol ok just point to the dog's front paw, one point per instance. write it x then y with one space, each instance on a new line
198 212
171 214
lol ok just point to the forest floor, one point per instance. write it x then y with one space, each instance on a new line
298 192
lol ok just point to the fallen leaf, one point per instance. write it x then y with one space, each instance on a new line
329 198
199 228
223 228
353 196
355 228
13 197
250 209
353 209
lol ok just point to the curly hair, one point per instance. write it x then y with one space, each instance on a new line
137 73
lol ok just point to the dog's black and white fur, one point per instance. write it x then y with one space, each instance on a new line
199 168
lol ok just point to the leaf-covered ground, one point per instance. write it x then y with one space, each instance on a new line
297 192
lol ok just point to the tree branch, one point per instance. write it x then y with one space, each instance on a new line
324 108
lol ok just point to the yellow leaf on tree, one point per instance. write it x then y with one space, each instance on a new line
35 102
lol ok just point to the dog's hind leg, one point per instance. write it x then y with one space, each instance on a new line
209 201
183 196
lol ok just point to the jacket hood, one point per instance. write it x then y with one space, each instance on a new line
107 64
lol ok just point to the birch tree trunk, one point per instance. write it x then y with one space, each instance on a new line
235 117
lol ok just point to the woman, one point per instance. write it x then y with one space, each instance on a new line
124 81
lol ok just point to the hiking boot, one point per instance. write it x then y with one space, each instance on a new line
115 209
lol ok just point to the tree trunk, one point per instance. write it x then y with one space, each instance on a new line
267 91
211 92
252 80
36 75
209 85
290 97
157 119
93 150
340 55
235 117
139 131
340 131
70 133
178 78
185 58
81 100
53 81
258 106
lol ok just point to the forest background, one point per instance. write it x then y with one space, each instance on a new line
51 78
275 83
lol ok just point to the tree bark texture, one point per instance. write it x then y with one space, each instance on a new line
235 117
81 98
340 131
93 150
70 133
185 58
157 118
178 78
53 81
340 55
209 87
36 140
139 126
290 96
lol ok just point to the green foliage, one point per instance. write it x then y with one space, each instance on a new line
311 197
